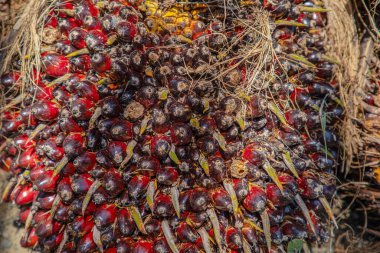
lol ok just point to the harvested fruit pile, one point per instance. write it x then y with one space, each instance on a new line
173 127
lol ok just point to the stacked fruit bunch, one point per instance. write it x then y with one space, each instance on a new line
140 134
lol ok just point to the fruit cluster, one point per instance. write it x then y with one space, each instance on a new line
136 135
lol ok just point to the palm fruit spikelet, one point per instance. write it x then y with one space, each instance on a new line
174 127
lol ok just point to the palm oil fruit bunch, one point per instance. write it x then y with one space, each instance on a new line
136 136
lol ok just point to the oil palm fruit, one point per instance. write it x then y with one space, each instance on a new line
141 139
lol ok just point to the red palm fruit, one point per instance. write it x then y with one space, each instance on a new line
86 89
234 238
101 62
77 205
10 80
113 182
52 151
181 134
63 213
80 64
100 196
221 199
28 159
241 188
41 216
47 228
45 200
322 161
126 31
47 182
122 130
26 195
30 239
36 172
256 199
310 186
68 169
77 37
111 107
160 146
117 151
55 65
152 227
91 23
64 190
294 230
149 165
180 112
50 243
189 248
86 244
254 154
24 213
84 9
82 109
84 162
143 246
147 96
137 186
81 225
64 47
296 118
41 93
68 125
159 121
105 215
167 176
61 95
96 40
163 206
199 199
125 245
45 110
125 225
81 183
161 245
250 234
196 219
277 197
27 117
186 233
12 125
73 145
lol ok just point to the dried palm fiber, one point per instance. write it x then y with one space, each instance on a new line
171 127
358 75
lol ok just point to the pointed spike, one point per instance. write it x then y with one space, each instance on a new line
169 236
96 236
175 200
289 163
94 117
36 131
254 225
289 23
12 103
130 147
266 227
136 216
328 209
59 80
63 242
205 240
230 189
173 156
150 194
273 175
144 125
204 164
274 108
54 207
220 139
313 9
60 165
246 247
29 219
216 227
68 12
111 39
89 194
301 59
305 212
78 52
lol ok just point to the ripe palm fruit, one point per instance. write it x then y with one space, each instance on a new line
143 140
